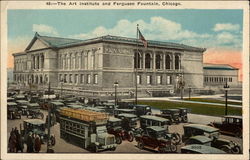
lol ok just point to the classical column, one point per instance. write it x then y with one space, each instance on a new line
143 60
80 60
173 61
163 61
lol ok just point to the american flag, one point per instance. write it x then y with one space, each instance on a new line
144 41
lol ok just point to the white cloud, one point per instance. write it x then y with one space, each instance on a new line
159 28
42 28
226 27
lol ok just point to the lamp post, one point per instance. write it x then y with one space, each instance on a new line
226 88
189 92
62 81
49 117
116 84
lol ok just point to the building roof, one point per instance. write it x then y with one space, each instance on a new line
202 127
202 139
157 128
202 149
34 121
58 42
218 67
127 115
155 118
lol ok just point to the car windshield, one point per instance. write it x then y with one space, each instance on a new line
213 135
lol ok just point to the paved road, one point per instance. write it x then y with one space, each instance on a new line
126 147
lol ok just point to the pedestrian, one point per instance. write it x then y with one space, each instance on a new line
30 143
19 142
12 142
37 146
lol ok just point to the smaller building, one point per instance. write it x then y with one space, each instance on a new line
217 75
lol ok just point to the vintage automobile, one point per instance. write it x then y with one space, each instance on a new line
114 126
150 120
155 138
36 126
129 121
120 111
231 125
174 115
33 111
212 133
12 111
22 106
10 99
96 109
109 107
141 109
200 149
20 97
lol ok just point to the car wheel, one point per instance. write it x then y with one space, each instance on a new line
185 119
176 138
226 149
161 150
236 150
173 148
53 140
238 134
118 139
130 136
140 145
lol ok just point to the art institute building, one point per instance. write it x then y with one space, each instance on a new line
92 66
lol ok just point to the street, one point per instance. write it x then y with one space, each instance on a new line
62 146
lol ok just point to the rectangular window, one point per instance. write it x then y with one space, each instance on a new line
70 78
138 79
158 79
88 78
82 78
95 79
76 78
65 78
169 80
149 79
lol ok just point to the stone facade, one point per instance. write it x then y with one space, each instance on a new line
92 66
216 76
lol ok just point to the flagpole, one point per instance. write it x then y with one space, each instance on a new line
136 63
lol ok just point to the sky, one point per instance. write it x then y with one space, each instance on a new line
220 31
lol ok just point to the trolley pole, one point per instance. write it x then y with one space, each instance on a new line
49 112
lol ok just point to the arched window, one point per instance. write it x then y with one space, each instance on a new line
147 61
34 62
158 61
137 60
42 61
41 79
168 62
38 62
177 62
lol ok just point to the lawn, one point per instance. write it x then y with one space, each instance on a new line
203 109
212 101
